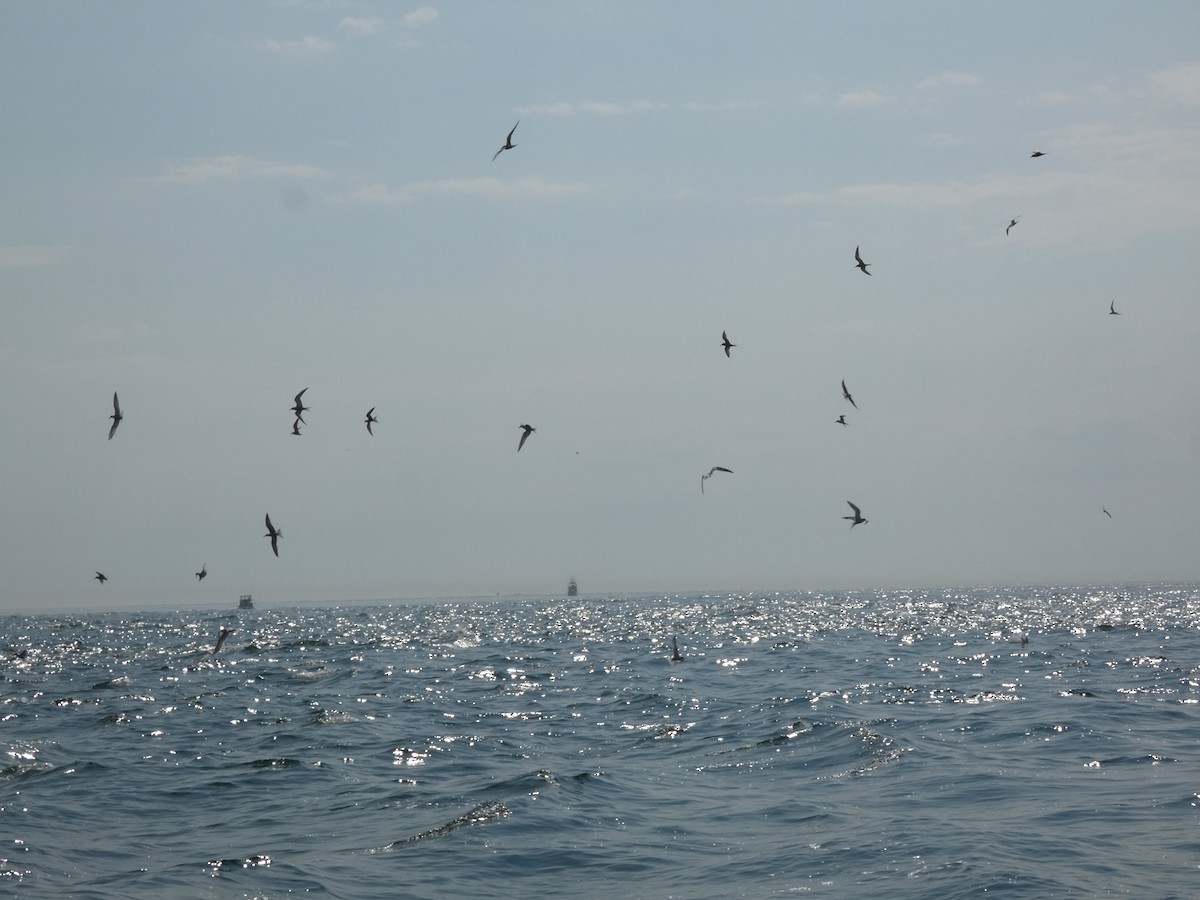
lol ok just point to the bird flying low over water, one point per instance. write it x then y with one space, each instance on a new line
704 478
1010 226
274 534
858 260
508 144
846 394
1035 154
370 419
299 409
725 342
116 416
528 429
841 420
202 573
101 577
857 518
1112 311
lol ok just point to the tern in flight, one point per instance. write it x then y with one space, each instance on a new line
101 577
508 144
370 419
841 420
296 427
528 429
1010 226
1106 512
846 394
299 409
202 573
859 262
1035 154
725 342
1112 311
274 534
704 478
225 633
116 416
857 518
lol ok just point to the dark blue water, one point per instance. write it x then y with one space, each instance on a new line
901 744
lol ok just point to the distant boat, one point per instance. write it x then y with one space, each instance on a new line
572 588
244 602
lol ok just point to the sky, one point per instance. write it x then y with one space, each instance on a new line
208 207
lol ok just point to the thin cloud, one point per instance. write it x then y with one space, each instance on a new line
306 47
949 79
29 256
592 108
422 15
1180 84
488 188
860 99
725 106
361 27
227 168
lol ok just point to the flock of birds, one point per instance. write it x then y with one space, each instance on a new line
298 409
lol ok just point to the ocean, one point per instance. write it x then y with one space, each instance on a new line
1010 742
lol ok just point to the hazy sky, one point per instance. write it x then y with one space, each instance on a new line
207 207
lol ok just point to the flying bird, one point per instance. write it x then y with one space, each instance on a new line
841 420
116 416
202 573
225 633
101 577
370 419
857 518
274 535
1112 311
846 394
725 342
299 409
1035 154
508 144
1010 226
296 427
529 429
704 478
1106 512
859 262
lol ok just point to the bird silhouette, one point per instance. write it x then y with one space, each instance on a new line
1112 310
371 419
1106 512
299 408
225 633
859 262
116 416
846 394
508 144
676 656
200 576
704 478
101 577
1010 226
725 342
1035 154
296 427
274 534
841 420
529 429
857 518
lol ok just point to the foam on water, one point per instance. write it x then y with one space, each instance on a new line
906 742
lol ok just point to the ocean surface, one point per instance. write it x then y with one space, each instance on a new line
898 744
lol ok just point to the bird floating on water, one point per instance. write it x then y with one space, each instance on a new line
508 144
1112 309
704 478
299 409
528 429
101 577
857 518
846 394
725 343
1010 226
274 534
116 416
202 573
370 419
858 260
